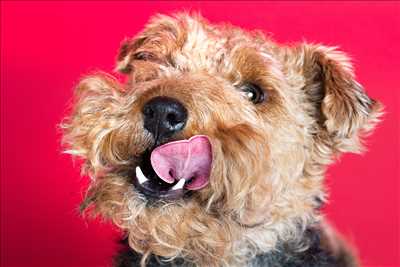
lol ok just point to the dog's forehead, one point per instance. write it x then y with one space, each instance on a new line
192 44
203 48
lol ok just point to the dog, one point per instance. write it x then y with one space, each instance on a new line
213 150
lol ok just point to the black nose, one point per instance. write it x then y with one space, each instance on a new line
164 116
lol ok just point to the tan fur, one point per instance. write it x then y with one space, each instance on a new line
268 159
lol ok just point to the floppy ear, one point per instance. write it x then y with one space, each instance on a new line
343 110
162 35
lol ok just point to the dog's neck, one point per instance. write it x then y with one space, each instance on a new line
307 251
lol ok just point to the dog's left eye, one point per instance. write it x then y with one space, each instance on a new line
252 92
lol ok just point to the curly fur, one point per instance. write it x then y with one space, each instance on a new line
269 160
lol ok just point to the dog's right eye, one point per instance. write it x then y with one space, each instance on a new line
143 55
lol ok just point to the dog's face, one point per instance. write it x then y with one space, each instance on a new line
218 136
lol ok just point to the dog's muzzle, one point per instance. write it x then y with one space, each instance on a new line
170 170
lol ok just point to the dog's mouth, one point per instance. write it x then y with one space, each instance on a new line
171 170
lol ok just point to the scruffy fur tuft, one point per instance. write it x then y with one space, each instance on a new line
261 207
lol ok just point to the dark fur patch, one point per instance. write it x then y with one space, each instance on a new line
129 258
290 254
307 252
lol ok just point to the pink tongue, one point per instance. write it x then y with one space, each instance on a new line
184 159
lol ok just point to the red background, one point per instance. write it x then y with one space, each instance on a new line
46 47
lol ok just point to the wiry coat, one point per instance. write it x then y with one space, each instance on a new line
269 159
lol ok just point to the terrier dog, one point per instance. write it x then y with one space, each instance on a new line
213 151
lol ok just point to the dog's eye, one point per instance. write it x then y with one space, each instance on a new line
143 55
253 92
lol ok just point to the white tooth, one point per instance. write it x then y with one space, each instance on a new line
140 176
179 185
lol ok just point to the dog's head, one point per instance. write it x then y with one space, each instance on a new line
218 139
